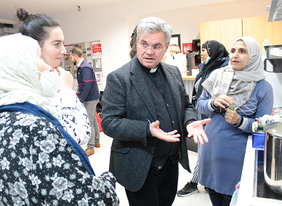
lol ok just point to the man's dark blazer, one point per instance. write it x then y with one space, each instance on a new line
126 104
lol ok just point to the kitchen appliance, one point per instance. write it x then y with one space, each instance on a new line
190 59
275 11
274 56
196 45
261 191
273 157
273 71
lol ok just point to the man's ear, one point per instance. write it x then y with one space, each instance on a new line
166 47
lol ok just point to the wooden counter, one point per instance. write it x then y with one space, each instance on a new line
188 78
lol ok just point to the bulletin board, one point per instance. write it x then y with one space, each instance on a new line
91 52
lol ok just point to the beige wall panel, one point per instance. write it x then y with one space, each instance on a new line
260 29
226 31
230 30
255 27
209 31
274 32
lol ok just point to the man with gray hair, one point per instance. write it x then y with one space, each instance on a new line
147 112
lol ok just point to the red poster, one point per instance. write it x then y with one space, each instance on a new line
187 47
96 49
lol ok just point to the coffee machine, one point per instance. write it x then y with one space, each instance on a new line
190 62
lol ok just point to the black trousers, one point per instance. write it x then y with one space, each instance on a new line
159 189
219 199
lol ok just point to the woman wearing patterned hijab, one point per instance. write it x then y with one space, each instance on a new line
240 85
41 164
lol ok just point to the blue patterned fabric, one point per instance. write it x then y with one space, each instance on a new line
40 166
33 109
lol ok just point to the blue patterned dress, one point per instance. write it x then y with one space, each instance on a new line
39 167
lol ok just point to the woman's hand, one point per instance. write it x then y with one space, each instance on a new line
63 78
160 134
196 130
223 101
231 116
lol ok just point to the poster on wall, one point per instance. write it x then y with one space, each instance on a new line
91 52
68 48
88 46
68 64
98 76
97 64
96 49
187 47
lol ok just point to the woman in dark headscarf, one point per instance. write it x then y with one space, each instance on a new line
214 56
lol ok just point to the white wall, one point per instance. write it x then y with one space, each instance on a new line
114 24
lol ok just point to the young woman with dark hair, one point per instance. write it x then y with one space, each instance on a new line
50 37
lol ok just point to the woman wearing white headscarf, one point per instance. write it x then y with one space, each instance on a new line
41 164
239 86
19 80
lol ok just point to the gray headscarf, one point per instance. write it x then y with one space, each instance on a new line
237 84
19 80
253 71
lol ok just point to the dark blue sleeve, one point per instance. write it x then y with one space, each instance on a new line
88 79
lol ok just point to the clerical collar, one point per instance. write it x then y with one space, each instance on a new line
153 70
148 69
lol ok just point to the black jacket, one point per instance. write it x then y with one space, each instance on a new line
127 103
